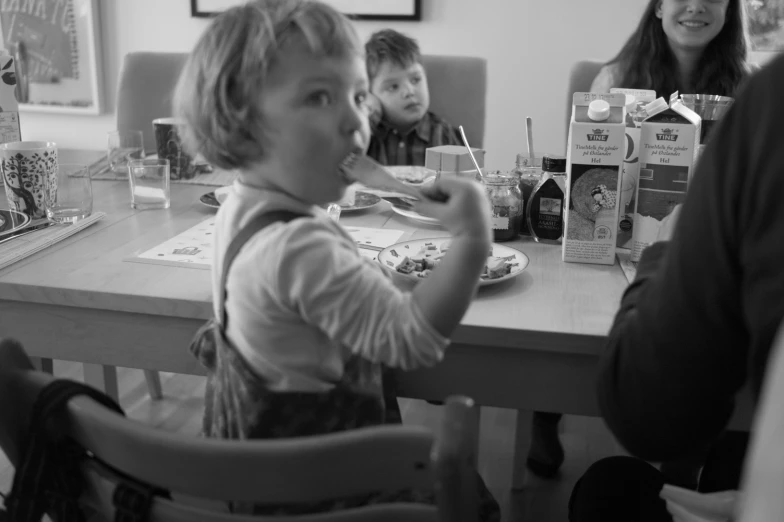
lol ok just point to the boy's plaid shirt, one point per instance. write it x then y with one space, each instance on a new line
389 147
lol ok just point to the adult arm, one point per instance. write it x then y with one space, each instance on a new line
680 344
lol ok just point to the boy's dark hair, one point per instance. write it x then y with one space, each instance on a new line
389 45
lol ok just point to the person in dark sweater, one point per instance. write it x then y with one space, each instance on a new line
697 323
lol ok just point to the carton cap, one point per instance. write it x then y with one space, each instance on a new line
599 110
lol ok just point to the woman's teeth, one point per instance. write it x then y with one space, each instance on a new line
693 25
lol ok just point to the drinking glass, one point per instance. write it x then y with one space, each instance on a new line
72 194
124 145
149 180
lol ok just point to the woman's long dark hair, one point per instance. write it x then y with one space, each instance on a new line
647 62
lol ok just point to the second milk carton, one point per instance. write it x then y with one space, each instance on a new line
669 139
594 162
636 100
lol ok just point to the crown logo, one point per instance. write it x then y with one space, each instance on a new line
598 131
667 131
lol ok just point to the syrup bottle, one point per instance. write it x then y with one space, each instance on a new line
544 211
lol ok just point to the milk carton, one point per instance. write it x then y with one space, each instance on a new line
594 162
9 107
636 99
669 139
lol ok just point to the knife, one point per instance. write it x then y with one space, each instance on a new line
26 230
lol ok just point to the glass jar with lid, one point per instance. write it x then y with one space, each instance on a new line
507 204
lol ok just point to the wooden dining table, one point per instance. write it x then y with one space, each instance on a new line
529 343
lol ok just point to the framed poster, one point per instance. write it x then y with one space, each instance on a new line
59 51
766 24
356 9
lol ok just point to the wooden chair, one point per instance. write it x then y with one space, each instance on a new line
581 77
308 469
763 481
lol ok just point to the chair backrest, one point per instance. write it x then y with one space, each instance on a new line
146 91
306 469
458 92
458 87
581 77
763 481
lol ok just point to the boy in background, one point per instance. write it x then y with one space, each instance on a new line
399 101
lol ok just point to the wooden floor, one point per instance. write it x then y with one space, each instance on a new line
585 440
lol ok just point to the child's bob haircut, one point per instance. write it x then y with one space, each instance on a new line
218 95
390 46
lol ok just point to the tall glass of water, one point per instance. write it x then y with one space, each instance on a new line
72 197
124 145
149 179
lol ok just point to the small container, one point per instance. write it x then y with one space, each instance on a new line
507 204
528 174
544 212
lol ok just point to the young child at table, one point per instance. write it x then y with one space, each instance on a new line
691 46
399 102
275 89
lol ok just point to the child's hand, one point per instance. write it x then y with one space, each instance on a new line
465 211
690 506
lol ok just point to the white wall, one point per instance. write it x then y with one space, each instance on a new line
529 44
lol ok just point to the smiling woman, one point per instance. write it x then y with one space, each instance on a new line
694 46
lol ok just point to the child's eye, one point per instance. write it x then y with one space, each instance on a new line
360 98
415 80
392 87
319 99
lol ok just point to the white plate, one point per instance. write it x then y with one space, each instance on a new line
11 221
416 216
391 257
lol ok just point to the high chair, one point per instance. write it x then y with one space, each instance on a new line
581 76
308 469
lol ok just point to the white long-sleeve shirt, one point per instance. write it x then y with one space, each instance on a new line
301 299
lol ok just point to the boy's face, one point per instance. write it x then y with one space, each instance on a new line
314 112
403 93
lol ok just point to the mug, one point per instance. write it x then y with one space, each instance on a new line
167 141
29 169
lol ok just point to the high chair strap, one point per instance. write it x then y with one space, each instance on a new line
248 231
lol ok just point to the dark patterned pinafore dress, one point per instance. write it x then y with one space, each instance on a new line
238 404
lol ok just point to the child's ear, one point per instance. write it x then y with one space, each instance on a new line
659 10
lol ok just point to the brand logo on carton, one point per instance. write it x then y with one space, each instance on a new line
666 135
598 135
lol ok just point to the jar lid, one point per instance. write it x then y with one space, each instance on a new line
599 110
497 177
554 163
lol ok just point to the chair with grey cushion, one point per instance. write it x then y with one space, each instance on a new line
145 91
581 77
458 92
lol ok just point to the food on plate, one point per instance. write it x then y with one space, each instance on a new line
414 174
421 263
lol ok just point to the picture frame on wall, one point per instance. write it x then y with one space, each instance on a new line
59 60
401 10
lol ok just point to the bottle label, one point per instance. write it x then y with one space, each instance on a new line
550 206
500 223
